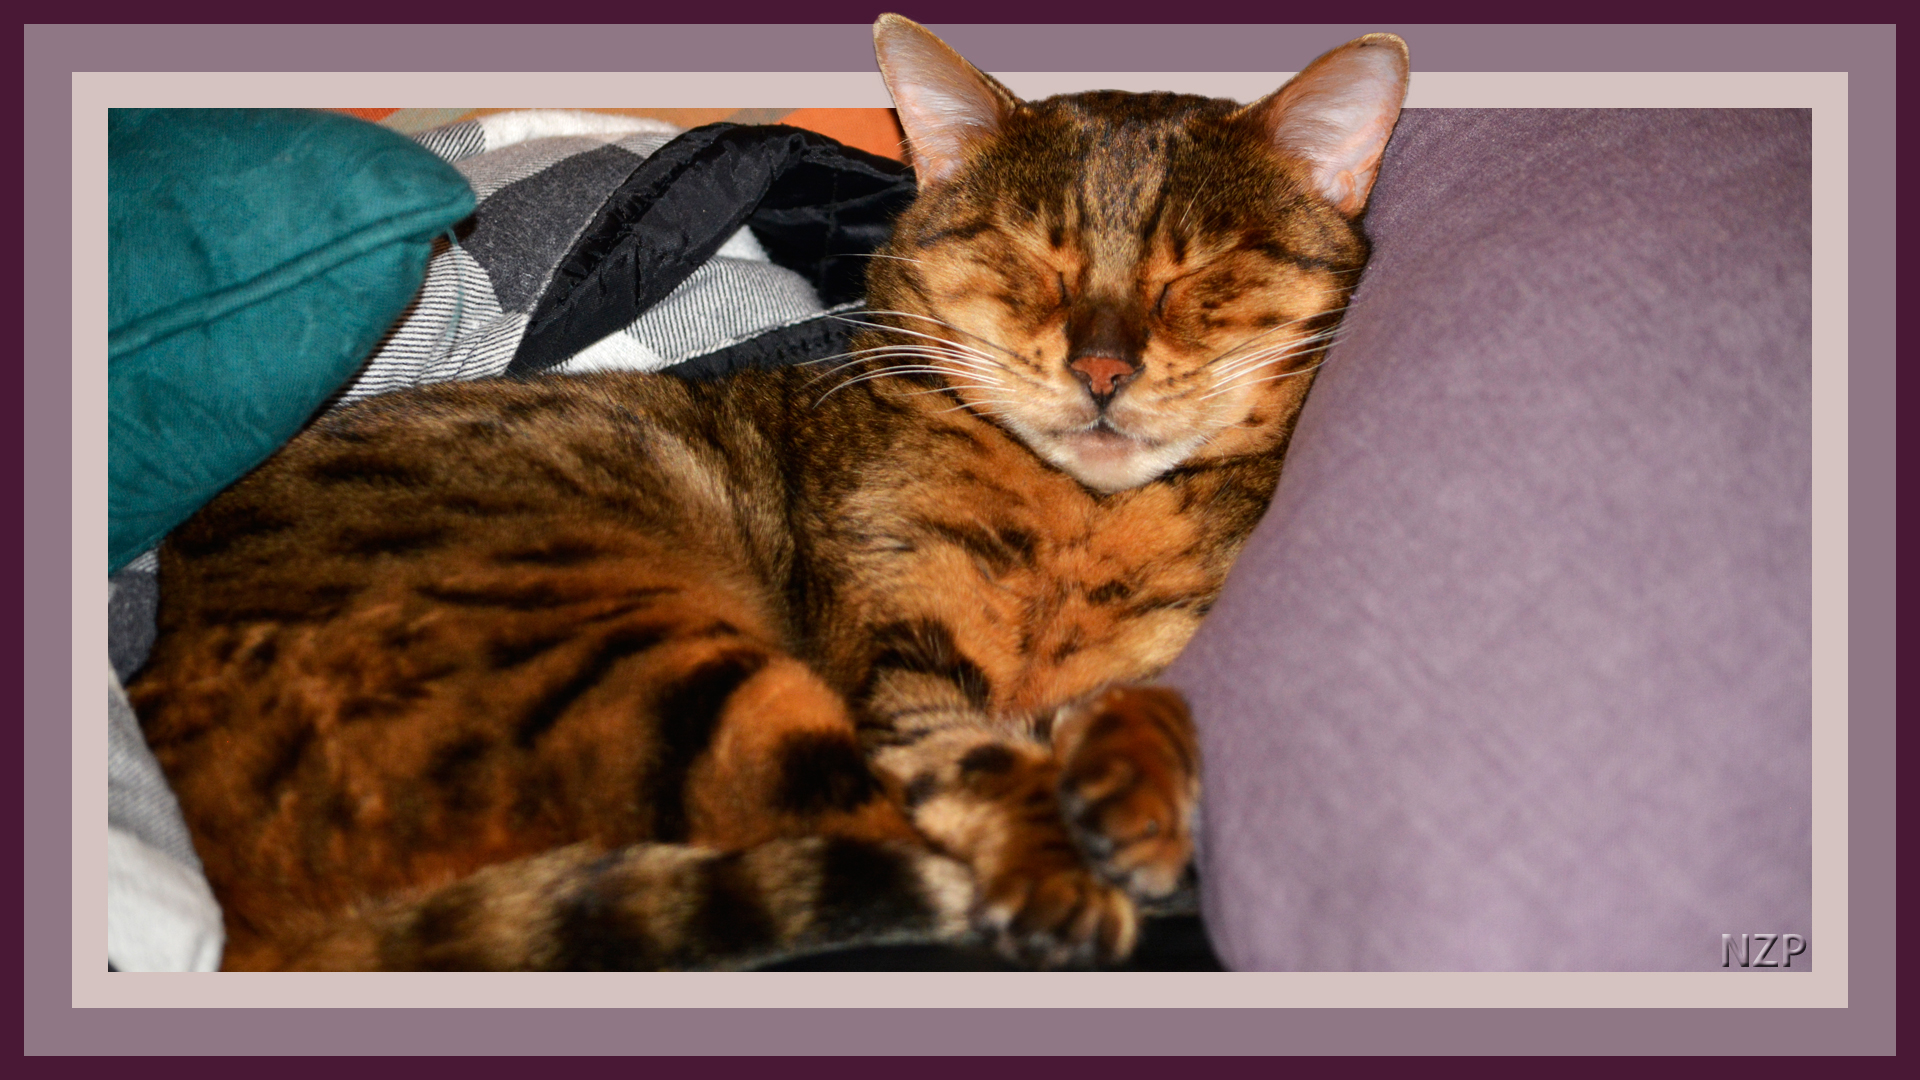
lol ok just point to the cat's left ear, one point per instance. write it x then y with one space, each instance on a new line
947 107
1336 115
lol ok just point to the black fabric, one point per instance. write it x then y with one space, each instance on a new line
813 339
813 204
521 229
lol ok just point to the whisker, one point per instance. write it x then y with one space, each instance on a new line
1270 331
1269 357
956 386
1271 346
970 350
877 255
924 318
837 369
892 370
1270 378
898 369
888 353
983 405
869 351
1260 362
863 356
938 322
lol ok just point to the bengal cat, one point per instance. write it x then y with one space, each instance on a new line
619 671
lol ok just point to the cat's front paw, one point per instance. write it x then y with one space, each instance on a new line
1048 911
1129 783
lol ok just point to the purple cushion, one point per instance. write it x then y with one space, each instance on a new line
1515 673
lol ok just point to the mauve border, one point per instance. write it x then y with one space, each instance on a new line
52 53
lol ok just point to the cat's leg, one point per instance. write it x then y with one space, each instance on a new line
1065 821
1130 785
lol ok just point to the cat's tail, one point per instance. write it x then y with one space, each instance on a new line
661 906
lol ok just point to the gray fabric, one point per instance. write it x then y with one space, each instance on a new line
454 141
133 598
540 177
139 801
1515 674
161 914
527 227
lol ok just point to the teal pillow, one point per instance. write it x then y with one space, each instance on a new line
255 258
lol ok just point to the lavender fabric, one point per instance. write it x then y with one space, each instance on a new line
1515 673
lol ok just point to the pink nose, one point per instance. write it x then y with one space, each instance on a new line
1103 374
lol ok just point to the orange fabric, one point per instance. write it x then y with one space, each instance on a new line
678 117
874 130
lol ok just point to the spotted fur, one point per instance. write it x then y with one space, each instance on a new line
619 671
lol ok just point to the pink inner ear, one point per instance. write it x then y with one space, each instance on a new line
943 104
1337 115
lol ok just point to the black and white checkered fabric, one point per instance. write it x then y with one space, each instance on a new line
541 177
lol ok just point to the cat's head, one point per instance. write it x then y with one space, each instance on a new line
1125 281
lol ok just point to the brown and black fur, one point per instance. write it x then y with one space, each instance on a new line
619 671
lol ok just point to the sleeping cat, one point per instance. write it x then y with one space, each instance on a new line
618 671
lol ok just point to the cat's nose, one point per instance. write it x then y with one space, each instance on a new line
1105 337
1103 375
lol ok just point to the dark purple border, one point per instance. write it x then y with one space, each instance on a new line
40 496
51 53
818 46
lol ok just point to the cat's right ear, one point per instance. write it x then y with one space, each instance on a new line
1336 115
946 105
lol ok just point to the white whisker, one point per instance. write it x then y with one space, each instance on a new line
960 360
1269 332
884 372
1269 357
1270 378
933 357
938 322
897 258
956 386
968 349
1260 354
983 404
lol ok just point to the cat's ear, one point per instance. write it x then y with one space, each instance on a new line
1336 116
945 104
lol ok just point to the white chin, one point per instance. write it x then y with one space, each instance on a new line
1109 461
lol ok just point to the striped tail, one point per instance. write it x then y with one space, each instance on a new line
662 906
